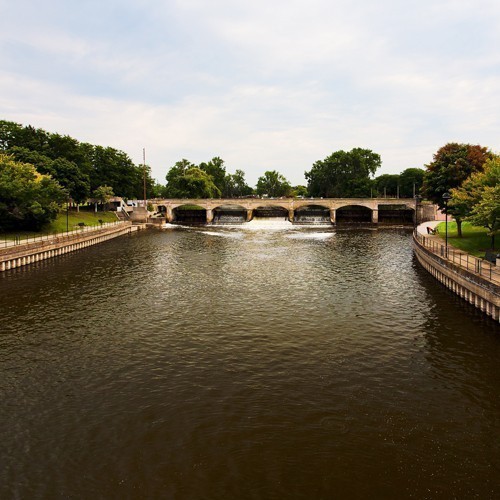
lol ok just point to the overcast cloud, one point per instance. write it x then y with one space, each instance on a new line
264 85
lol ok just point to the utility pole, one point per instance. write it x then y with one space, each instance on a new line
144 167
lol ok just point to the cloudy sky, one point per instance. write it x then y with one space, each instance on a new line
264 84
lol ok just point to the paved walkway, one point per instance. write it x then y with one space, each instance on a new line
422 229
475 265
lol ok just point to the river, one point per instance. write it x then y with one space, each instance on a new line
245 363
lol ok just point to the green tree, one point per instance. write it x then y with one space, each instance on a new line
42 163
66 172
478 198
95 165
196 183
386 185
216 169
103 194
13 134
410 182
236 186
114 168
174 176
451 166
299 191
186 180
273 184
486 213
343 174
28 199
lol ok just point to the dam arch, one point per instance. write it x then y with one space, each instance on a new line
355 209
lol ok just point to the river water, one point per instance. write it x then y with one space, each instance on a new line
256 362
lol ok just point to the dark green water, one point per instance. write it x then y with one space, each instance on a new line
257 363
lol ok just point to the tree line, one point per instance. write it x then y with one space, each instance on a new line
79 167
464 181
343 174
40 171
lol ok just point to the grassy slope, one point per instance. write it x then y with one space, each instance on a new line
475 240
59 225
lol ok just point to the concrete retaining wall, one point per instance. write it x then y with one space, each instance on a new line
477 290
29 253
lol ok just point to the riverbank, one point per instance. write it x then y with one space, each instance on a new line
474 240
475 280
16 254
64 223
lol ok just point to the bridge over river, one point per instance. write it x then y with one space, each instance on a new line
327 210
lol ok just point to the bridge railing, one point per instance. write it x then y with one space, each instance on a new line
475 265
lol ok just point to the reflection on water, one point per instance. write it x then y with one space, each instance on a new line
239 362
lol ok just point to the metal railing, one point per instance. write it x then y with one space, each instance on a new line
125 214
28 239
475 265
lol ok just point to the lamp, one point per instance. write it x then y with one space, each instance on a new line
446 197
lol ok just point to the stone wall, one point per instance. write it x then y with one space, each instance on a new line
29 253
477 290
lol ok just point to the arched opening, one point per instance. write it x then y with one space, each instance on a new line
312 214
353 214
270 213
395 215
189 214
230 214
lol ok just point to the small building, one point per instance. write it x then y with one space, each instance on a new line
116 203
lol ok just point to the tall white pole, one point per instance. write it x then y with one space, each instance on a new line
144 167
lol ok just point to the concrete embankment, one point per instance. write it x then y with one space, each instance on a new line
474 280
18 255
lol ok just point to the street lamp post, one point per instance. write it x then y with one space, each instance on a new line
446 197
417 201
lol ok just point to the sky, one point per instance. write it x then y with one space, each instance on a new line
265 85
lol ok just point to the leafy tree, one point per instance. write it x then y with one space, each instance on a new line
185 180
174 176
451 166
158 190
215 168
66 172
42 163
236 186
343 174
76 183
196 183
299 191
478 198
103 194
28 199
486 213
386 185
410 182
95 165
273 184
13 134
114 168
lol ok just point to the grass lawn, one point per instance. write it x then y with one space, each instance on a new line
59 225
474 241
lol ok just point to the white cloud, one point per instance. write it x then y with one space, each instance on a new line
264 85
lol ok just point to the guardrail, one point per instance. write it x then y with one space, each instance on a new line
27 240
475 265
